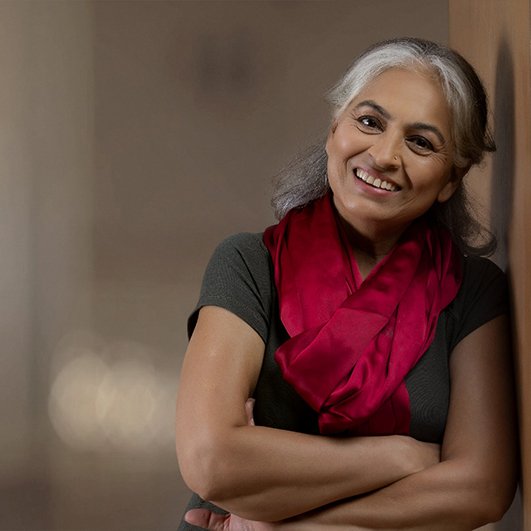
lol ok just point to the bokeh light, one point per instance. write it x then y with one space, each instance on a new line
72 401
110 396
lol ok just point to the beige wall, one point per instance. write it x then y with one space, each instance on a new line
497 43
136 136
46 172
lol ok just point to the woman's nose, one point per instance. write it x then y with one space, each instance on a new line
385 150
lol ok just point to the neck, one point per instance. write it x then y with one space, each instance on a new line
370 246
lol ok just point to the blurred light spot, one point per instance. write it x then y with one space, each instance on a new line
72 403
126 402
110 397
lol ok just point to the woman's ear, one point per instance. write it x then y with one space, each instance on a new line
453 183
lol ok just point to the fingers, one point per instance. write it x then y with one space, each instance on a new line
207 519
249 405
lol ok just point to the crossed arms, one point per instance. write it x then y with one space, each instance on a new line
308 482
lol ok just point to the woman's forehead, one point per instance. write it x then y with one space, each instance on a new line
406 93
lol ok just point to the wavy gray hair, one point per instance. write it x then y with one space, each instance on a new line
305 179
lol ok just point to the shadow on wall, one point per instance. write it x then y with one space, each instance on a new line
503 161
501 200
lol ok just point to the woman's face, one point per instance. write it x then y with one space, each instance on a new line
390 153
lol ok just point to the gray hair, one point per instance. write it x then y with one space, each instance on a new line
305 179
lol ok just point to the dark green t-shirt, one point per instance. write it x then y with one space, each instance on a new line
240 277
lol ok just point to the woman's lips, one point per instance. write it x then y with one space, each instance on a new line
375 182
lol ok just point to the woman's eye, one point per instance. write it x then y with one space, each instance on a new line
369 123
419 143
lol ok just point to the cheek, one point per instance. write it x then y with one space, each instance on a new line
343 143
429 174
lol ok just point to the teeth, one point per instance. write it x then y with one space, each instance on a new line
377 183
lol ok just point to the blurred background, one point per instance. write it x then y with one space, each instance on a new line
135 136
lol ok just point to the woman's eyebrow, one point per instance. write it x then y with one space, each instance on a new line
378 108
429 127
417 125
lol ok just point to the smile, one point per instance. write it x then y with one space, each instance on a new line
375 183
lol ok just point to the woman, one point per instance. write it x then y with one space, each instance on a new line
371 336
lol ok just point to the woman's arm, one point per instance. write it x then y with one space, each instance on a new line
263 473
476 479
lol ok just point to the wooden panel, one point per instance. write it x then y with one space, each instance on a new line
494 36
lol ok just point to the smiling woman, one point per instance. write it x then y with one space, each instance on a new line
391 155
365 328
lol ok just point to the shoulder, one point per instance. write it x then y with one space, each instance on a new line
482 269
482 279
248 246
243 255
483 296
239 278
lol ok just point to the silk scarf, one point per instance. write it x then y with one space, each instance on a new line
352 341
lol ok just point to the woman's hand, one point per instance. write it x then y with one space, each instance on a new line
230 522
225 522
423 455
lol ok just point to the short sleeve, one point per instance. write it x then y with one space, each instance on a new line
482 297
238 278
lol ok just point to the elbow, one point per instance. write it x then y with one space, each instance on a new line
489 500
203 464
498 497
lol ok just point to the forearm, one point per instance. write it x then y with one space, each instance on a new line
264 473
476 479
267 474
445 497
438 499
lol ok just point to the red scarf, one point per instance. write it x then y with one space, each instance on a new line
353 342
